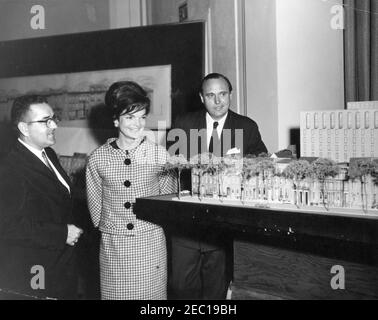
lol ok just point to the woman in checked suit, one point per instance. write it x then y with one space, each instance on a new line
133 259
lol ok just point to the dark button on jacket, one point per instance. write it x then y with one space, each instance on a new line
130 226
127 205
127 184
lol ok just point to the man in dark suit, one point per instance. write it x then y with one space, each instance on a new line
37 231
199 256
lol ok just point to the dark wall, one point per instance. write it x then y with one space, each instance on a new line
7 139
181 45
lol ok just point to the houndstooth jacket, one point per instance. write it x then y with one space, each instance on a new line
116 178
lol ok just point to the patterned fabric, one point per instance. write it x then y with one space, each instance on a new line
134 268
132 252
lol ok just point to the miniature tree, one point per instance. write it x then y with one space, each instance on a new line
322 169
249 170
202 162
195 164
375 175
296 171
177 163
212 165
218 165
264 166
375 181
256 167
361 169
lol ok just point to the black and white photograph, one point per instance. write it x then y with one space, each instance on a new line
189 156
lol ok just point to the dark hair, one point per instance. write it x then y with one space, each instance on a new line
211 76
126 97
21 105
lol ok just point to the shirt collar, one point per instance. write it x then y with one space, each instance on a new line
34 150
210 121
113 143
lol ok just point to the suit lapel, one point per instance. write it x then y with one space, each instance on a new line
228 134
201 120
228 122
199 124
31 161
58 166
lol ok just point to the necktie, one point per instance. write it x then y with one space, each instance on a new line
47 163
214 146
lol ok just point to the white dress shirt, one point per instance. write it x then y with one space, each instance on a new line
38 153
209 127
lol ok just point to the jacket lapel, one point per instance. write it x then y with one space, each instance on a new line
32 162
201 124
228 134
57 165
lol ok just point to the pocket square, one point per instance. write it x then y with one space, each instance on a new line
233 151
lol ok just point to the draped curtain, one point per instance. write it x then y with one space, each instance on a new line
361 50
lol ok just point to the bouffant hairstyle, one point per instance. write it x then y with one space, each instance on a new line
126 97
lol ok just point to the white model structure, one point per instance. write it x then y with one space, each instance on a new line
339 134
270 186
358 105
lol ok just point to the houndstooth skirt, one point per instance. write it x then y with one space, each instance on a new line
134 267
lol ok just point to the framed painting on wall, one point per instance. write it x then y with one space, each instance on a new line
75 97
75 70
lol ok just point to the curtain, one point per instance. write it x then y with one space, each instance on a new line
361 50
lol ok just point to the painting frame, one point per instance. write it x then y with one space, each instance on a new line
76 98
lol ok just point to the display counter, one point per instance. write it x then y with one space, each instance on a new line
283 254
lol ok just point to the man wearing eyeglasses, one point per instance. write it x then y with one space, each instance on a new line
38 236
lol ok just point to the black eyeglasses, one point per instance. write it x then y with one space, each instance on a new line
48 122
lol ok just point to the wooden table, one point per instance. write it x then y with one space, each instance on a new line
284 254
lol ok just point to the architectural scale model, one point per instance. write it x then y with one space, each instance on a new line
339 135
303 183
362 105
313 183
